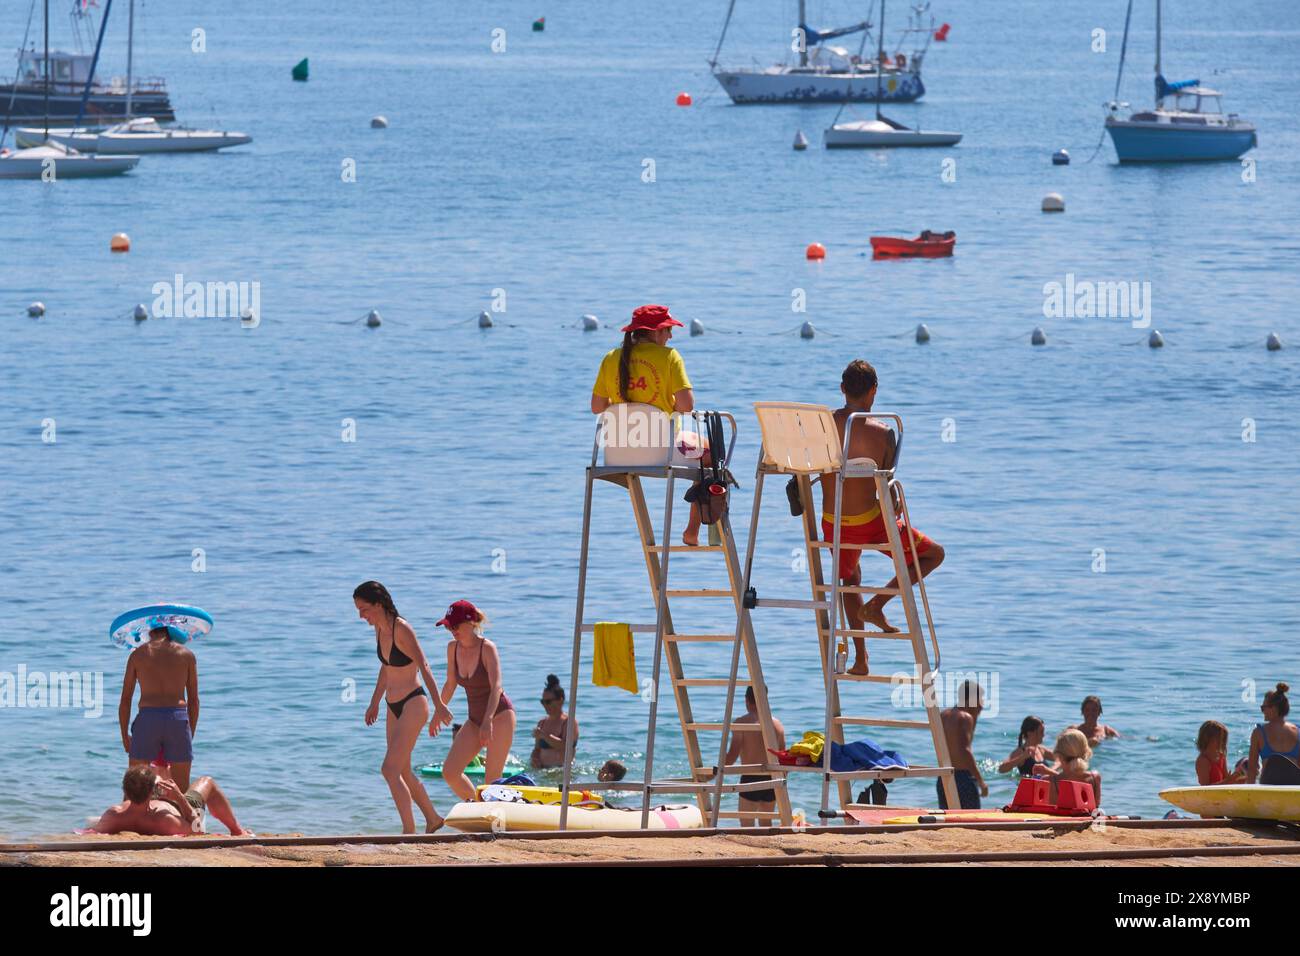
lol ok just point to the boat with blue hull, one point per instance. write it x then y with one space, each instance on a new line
1193 129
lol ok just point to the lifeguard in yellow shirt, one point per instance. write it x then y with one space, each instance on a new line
644 369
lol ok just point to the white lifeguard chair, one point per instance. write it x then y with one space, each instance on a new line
801 441
642 442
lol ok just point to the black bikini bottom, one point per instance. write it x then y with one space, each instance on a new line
397 707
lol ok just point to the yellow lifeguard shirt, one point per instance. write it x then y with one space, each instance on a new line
656 374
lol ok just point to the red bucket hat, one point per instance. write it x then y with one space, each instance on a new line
651 318
458 614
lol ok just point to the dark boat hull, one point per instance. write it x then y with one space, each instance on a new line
101 107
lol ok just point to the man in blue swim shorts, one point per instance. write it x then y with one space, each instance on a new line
959 729
167 673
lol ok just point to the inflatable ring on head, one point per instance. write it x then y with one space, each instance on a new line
183 623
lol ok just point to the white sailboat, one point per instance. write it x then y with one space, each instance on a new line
53 160
882 131
140 135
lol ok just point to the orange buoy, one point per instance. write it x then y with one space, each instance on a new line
683 99
120 242
815 251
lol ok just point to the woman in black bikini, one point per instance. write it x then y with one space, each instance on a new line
549 734
1030 750
401 665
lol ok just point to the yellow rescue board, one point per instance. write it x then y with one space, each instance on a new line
1244 801
516 817
546 794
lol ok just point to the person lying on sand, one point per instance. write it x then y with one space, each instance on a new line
860 518
1092 729
155 806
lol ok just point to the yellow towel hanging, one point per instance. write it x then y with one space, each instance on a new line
614 659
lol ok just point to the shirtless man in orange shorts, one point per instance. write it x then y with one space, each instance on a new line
860 520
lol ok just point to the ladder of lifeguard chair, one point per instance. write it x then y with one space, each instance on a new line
707 781
801 440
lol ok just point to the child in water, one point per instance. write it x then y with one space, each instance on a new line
1212 764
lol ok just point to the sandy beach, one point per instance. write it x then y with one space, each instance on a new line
1148 843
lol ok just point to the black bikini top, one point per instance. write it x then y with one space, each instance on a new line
395 656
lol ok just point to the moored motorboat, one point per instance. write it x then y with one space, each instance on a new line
140 135
928 245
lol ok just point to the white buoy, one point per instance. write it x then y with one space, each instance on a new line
1053 202
1273 342
484 320
922 334
140 313
247 317
807 331
373 321
590 323
800 140
379 122
1155 339
36 310
1038 337
697 327
1061 158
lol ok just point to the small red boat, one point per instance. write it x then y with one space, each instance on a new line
928 245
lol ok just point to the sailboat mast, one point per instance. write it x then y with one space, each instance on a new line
1159 98
803 46
47 70
880 56
130 40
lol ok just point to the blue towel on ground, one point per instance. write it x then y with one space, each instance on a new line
864 755
517 780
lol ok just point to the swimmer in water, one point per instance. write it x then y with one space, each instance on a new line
549 734
1030 753
1091 727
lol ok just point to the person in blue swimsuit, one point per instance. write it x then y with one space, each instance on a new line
401 665
1276 736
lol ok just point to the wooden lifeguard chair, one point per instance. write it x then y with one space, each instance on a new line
802 441
629 460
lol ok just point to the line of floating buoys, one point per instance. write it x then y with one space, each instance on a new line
815 250
539 24
1061 157
36 310
379 122
922 334
1155 340
697 327
1038 336
683 99
120 242
373 321
484 320
300 70
800 140
807 331
590 323
1053 202
1273 342
139 313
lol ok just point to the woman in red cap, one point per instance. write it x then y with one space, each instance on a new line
473 663
401 666
644 369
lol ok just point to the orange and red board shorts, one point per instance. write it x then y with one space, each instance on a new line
869 528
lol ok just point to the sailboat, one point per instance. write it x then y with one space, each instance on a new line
55 159
882 131
1194 129
827 73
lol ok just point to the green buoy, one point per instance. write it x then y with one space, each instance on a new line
300 71
539 24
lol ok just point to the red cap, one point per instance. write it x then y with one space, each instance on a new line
458 614
651 318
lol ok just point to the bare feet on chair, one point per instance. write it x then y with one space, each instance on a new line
691 539
873 614
859 668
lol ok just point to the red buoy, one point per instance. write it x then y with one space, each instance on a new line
683 99
815 251
941 34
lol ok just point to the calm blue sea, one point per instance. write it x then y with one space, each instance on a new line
522 171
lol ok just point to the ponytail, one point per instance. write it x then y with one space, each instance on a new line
372 592
630 339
